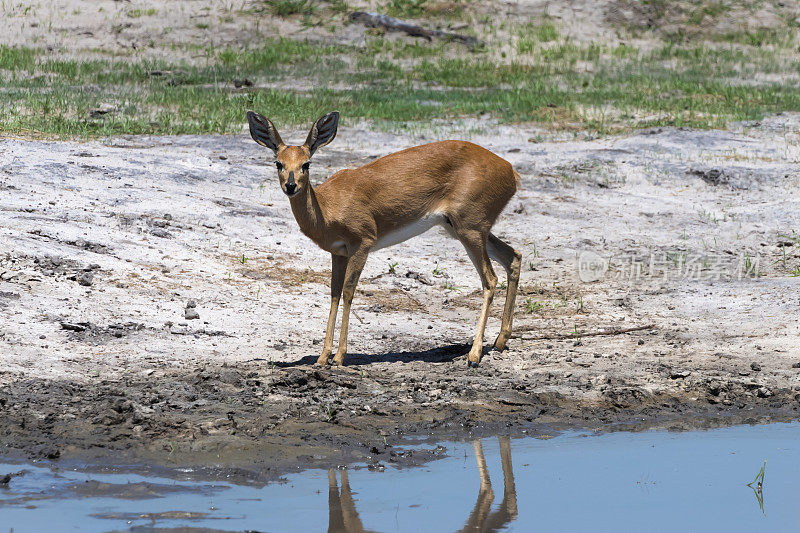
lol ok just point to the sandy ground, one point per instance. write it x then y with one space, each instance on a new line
103 244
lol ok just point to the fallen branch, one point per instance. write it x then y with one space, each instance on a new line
612 331
374 20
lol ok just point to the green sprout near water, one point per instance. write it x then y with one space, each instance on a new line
757 485
759 480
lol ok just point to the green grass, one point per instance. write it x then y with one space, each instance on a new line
530 35
757 37
405 8
708 11
396 82
136 13
285 8
532 306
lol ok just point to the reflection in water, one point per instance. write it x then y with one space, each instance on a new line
343 516
481 519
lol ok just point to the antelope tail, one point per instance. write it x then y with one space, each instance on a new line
517 178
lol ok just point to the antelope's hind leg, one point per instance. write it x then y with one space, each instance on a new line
338 269
511 261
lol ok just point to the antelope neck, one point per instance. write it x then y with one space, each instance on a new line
308 213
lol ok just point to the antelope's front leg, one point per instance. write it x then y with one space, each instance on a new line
338 268
354 267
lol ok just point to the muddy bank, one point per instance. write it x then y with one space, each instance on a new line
254 424
157 299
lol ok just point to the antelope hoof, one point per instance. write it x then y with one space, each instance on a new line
323 360
500 342
338 360
473 359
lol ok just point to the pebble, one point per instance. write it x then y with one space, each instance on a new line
160 232
755 367
191 314
86 279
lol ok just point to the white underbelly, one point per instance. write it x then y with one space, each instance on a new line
412 230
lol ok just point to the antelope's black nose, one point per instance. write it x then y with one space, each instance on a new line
291 187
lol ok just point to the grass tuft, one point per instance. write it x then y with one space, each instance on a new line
286 8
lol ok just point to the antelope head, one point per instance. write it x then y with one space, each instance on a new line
293 161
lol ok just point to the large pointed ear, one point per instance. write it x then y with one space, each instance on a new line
263 132
323 131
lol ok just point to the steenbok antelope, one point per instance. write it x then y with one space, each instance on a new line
454 184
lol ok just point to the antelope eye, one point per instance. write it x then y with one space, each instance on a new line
279 165
305 166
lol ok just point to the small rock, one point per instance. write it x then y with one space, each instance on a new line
796 365
6 479
86 279
191 304
764 392
52 453
755 367
419 277
191 314
713 176
159 232
102 110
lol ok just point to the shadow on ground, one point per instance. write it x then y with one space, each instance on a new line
441 354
